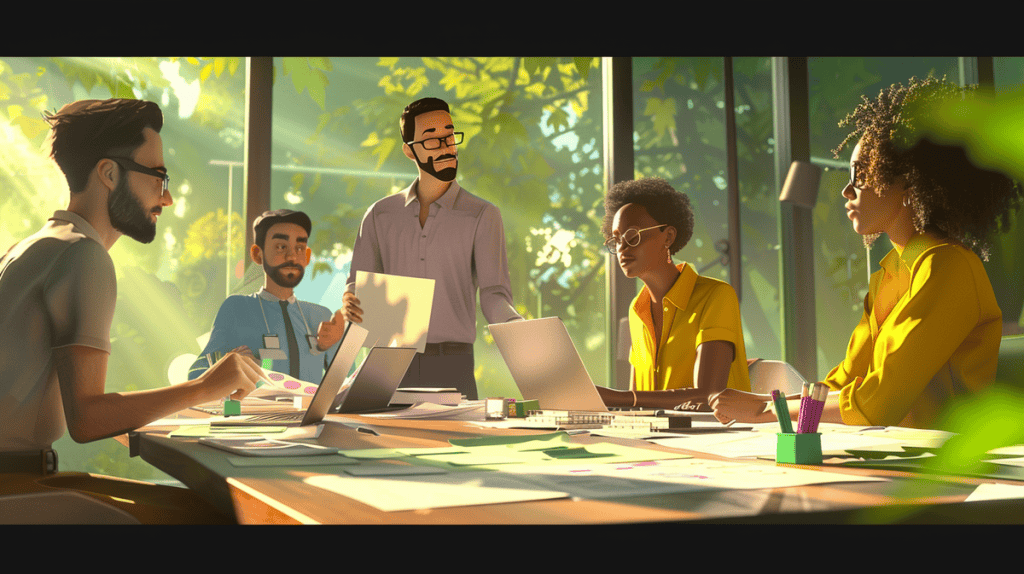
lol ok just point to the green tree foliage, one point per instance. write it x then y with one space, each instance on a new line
532 148
150 328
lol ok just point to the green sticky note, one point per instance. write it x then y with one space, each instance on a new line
556 437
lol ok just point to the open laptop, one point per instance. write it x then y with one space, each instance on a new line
351 342
376 381
545 364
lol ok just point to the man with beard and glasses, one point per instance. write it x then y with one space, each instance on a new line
57 295
300 337
435 229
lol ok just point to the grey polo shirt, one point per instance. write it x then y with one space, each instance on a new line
57 288
461 247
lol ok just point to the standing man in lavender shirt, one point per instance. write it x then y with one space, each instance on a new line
434 229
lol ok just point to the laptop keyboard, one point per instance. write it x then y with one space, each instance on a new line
273 418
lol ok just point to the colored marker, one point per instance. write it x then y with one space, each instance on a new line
782 412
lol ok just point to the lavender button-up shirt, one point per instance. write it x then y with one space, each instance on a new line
461 247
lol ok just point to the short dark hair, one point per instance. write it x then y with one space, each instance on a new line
86 131
947 192
268 219
659 198
421 106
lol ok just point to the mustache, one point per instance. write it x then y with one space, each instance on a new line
444 157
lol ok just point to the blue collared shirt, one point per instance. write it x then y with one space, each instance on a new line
244 319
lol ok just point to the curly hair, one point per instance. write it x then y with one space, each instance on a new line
659 198
947 192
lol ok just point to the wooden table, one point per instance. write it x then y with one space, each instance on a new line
278 495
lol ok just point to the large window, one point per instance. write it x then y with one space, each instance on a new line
169 290
533 143
532 148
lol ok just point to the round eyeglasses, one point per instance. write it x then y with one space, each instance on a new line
631 238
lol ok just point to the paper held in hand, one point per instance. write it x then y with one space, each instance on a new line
396 309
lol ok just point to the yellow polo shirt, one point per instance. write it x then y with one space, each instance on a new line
939 341
696 309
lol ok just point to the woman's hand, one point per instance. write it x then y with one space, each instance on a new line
613 398
732 405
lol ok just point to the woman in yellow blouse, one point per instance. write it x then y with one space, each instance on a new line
685 329
931 327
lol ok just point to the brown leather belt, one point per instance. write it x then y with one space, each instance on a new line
448 348
38 461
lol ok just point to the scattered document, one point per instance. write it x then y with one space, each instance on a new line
261 446
764 444
396 309
396 493
996 492
431 411
679 475
1017 461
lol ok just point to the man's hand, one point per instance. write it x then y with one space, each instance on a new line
245 352
235 375
330 332
92 413
730 405
350 308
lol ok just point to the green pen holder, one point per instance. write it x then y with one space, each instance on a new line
798 448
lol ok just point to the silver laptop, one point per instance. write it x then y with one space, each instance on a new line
326 393
545 364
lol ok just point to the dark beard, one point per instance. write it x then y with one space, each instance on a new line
446 174
278 277
127 214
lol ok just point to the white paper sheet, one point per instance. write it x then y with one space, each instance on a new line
764 443
433 491
996 492
396 309
679 475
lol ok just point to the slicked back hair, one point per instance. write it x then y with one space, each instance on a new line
86 131
421 106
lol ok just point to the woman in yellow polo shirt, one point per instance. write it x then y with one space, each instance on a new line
685 329
931 327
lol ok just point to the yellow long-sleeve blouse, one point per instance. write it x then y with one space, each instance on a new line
940 340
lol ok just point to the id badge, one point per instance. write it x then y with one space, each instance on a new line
272 348
312 343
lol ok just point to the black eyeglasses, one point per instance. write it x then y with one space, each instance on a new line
130 165
631 238
435 143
